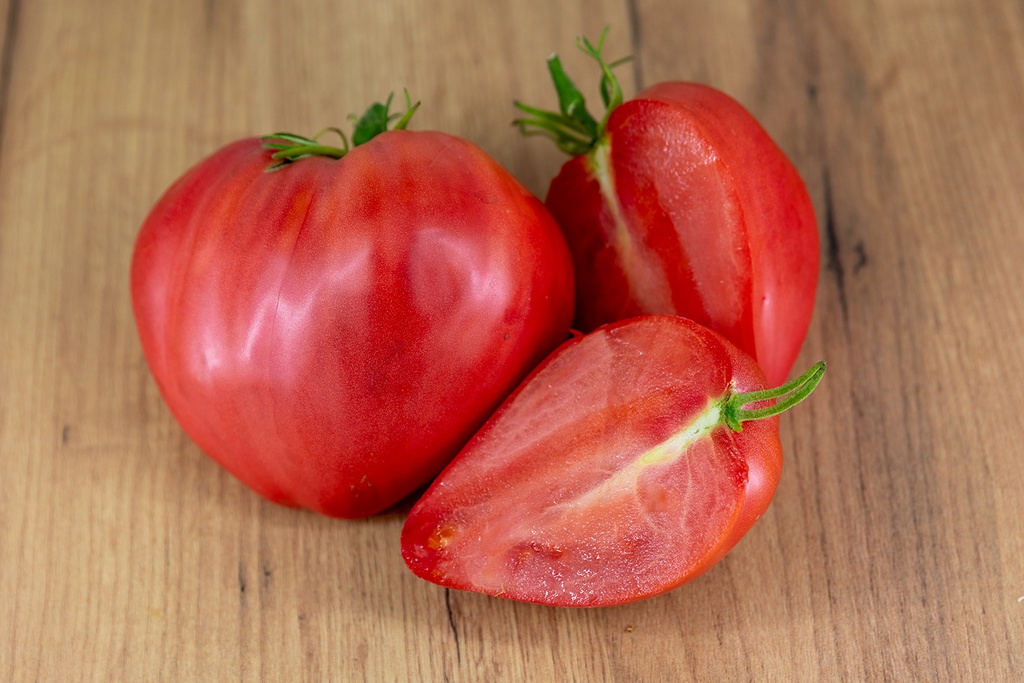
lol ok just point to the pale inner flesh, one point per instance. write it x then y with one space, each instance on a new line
669 450
643 270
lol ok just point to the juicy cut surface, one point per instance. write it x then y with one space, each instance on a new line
606 478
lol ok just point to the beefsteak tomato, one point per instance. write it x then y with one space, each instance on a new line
334 331
678 202
618 470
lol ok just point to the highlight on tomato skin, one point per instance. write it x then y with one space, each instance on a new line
625 465
678 202
332 324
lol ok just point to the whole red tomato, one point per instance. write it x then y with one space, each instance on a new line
678 202
626 464
333 331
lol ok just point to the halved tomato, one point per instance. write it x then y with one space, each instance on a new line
618 470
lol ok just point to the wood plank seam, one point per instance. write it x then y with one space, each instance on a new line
834 263
6 61
635 38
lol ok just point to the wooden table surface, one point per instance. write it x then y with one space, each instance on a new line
894 549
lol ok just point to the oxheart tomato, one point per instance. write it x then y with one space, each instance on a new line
618 470
334 331
678 202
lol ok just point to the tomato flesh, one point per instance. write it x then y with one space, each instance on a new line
607 477
687 207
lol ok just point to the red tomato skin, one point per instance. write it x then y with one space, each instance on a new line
629 384
710 221
333 332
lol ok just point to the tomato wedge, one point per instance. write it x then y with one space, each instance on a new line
618 470
678 202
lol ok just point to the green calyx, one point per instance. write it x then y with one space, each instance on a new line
376 120
735 413
573 129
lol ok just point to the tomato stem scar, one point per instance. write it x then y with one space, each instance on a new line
789 394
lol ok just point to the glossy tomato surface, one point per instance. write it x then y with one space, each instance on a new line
334 331
609 476
687 207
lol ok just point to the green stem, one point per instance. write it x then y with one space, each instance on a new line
298 151
734 412
375 120
573 129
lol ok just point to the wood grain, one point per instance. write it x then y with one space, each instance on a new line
894 549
